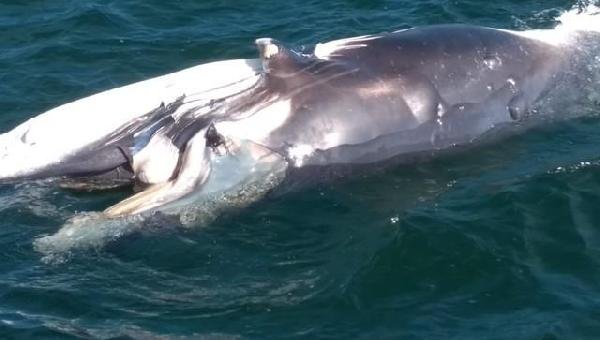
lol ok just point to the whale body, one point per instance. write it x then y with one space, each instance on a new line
235 129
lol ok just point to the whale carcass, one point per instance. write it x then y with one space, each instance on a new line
231 131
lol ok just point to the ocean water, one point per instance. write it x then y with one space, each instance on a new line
501 242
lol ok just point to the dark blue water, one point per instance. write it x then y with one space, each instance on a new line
501 242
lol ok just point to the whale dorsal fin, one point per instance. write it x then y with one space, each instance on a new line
280 61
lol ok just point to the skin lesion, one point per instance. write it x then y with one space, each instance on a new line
216 141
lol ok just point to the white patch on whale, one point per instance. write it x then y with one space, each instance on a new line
157 161
60 132
258 125
195 169
328 49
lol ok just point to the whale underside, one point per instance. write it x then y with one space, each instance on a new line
351 102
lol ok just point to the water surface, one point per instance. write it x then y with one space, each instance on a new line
501 242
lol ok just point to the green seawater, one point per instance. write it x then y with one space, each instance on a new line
500 242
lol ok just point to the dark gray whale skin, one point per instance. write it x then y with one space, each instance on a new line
380 96
407 91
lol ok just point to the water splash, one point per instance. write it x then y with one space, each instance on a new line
581 18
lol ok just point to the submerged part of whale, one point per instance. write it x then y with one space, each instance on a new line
353 101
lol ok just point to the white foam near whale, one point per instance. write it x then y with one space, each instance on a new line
570 22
